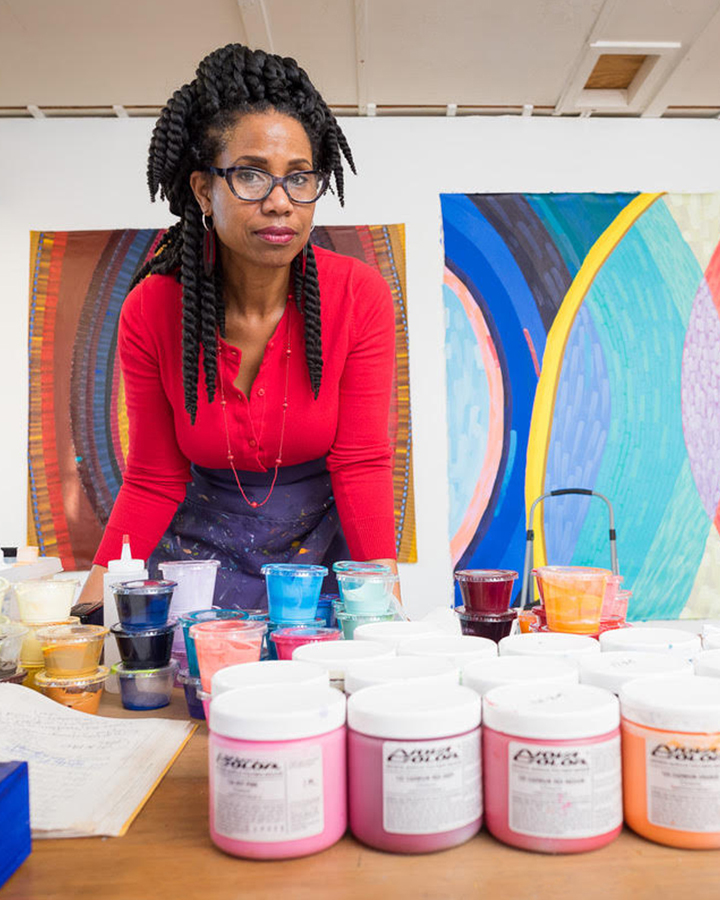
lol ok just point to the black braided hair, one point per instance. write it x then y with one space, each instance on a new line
189 134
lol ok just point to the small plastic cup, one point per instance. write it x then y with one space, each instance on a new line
149 648
12 635
486 591
31 652
45 601
80 692
493 627
71 651
615 602
16 677
326 609
187 620
349 622
191 686
143 604
573 597
195 583
349 565
293 591
269 651
288 639
226 642
366 593
146 688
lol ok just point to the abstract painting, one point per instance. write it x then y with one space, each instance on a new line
78 430
583 350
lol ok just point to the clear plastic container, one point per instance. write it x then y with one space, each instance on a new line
349 623
572 596
147 648
486 591
456 649
191 686
189 619
31 652
286 640
336 657
349 565
12 636
72 650
195 580
293 591
146 688
366 593
492 627
615 602
143 604
39 600
80 692
226 642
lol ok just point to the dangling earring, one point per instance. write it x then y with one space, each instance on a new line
209 249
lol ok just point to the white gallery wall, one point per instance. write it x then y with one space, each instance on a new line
90 174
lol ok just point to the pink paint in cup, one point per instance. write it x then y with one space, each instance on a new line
226 642
486 591
286 640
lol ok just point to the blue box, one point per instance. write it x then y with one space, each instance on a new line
15 844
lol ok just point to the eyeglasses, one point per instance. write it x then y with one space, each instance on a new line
248 183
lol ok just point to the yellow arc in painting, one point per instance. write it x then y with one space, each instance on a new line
541 421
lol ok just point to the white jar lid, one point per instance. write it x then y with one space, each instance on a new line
393 633
551 711
708 663
652 640
673 704
400 668
414 711
336 656
277 712
270 671
566 646
483 675
612 670
457 649
711 641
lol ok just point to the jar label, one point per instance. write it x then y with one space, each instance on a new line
564 790
269 796
683 782
431 786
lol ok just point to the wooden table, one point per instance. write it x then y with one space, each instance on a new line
167 855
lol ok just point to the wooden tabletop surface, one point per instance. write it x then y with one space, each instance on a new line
167 855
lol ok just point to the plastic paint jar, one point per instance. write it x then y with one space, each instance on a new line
287 639
671 760
612 670
143 604
414 766
72 650
326 610
195 583
485 674
81 692
706 663
278 671
269 647
191 686
572 596
366 593
147 648
44 601
335 658
278 772
419 669
652 640
392 634
189 619
456 649
146 688
486 625
226 642
551 757
293 591
486 590
350 622
12 636
31 652
570 647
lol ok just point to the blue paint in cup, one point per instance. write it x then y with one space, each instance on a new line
146 688
191 687
143 604
293 592
326 609
187 620
147 648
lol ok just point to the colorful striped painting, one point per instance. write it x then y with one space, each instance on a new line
583 350
78 430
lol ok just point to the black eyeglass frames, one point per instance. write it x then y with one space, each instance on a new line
251 184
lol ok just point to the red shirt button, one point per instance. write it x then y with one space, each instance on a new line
252 442
261 392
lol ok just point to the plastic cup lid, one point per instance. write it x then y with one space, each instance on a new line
312 632
392 633
551 711
277 712
673 704
581 573
269 671
336 656
70 620
368 672
122 671
614 669
148 587
119 628
71 634
190 564
211 615
472 616
652 640
42 679
348 565
240 627
293 569
414 711
455 648
566 646
486 575
483 675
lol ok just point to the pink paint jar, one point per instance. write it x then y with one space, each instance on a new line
225 642
414 766
287 639
551 755
437 672
278 773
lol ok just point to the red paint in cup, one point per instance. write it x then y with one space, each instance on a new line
486 590
494 627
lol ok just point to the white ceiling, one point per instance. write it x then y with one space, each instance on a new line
61 57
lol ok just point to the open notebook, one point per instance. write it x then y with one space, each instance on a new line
89 775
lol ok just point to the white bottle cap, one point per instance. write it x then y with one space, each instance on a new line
483 675
614 669
393 633
413 711
673 704
565 646
551 711
652 640
270 671
456 649
336 656
400 668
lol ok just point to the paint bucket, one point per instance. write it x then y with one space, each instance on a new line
39 600
486 591
293 591
674 641
485 625
614 669
143 603
146 688
286 640
81 692
366 593
570 647
187 620
195 580
572 596
392 634
485 674
147 648
453 648
226 642
336 657
71 650
418 669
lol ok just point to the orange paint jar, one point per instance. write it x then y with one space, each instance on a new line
572 596
671 760
70 650
82 693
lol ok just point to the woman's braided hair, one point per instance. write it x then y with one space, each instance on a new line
188 136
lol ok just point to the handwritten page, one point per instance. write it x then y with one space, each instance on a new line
89 775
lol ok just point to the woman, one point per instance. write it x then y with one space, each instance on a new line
257 369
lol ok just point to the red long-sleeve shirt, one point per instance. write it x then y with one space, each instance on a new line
348 423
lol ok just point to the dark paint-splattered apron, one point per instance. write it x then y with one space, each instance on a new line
298 524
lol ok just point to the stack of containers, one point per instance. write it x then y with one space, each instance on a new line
72 674
293 593
366 595
40 603
486 595
195 589
144 636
